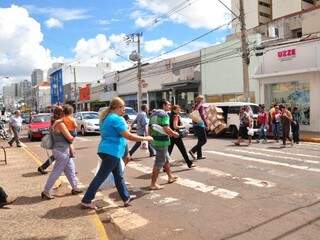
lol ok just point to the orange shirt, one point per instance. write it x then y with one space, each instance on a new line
70 123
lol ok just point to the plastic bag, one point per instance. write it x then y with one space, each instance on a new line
144 145
109 182
250 131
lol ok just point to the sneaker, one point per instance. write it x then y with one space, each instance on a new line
258 141
88 206
10 144
7 202
42 171
203 157
131 198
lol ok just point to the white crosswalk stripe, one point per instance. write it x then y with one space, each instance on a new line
285 153
264 161
246 180
277 156
198 186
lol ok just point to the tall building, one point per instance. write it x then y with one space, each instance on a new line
282 8
257 12
24 89
36 77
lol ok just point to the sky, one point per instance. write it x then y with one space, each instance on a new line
37 33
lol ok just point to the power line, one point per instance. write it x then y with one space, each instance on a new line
192 40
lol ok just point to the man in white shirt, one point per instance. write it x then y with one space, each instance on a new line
15 124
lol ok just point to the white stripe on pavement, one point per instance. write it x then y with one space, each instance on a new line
251 159
273 156
124 218
247 180
286 153
198 186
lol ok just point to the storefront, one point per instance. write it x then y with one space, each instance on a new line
290 75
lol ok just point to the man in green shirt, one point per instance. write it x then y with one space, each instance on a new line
161 143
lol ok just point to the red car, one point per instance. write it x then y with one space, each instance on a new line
39 125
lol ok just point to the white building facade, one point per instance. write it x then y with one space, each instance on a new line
290 74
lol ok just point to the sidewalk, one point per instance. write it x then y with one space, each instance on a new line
310 137
31 218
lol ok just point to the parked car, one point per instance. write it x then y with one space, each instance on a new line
186 121
132 114
88 122
39 126
231 112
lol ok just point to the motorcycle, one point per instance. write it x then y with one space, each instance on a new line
3 132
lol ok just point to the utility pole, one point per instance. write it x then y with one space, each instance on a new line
245 53
139 73
75 89
136 57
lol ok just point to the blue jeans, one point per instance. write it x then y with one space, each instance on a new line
108 164
276 130
263 132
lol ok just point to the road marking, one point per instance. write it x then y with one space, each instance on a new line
258 183
249 181
269 155
82 139
94 218
198 186
286 153
251 159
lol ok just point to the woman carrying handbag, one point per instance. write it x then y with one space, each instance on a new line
176 125
200 125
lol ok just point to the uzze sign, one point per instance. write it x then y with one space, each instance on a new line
287 54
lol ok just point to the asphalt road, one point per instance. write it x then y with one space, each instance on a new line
257 192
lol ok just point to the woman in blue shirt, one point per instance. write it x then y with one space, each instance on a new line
114 135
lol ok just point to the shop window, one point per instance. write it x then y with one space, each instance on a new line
291 94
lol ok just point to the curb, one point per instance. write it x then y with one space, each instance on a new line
94 218
310 139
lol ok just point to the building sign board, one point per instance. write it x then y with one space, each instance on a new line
287 54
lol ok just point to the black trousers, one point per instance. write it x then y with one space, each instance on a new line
295 132
3 195
200 133
181 147
152 152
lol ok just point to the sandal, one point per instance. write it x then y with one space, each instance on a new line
88 206
156 187
173 179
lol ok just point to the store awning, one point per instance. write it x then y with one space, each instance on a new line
181 85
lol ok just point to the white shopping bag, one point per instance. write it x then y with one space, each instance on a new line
109 182
144 145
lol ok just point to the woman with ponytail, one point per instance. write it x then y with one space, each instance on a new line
114 135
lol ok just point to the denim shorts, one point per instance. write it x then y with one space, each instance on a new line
162 157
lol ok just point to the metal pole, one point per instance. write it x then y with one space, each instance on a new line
75 89
139 74
245 53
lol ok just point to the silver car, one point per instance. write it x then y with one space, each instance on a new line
87 122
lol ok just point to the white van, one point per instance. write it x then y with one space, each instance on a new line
231 115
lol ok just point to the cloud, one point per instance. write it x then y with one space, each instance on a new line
195 14
54 23
63 14
104 49
21 47
154 46
58 15
104 22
